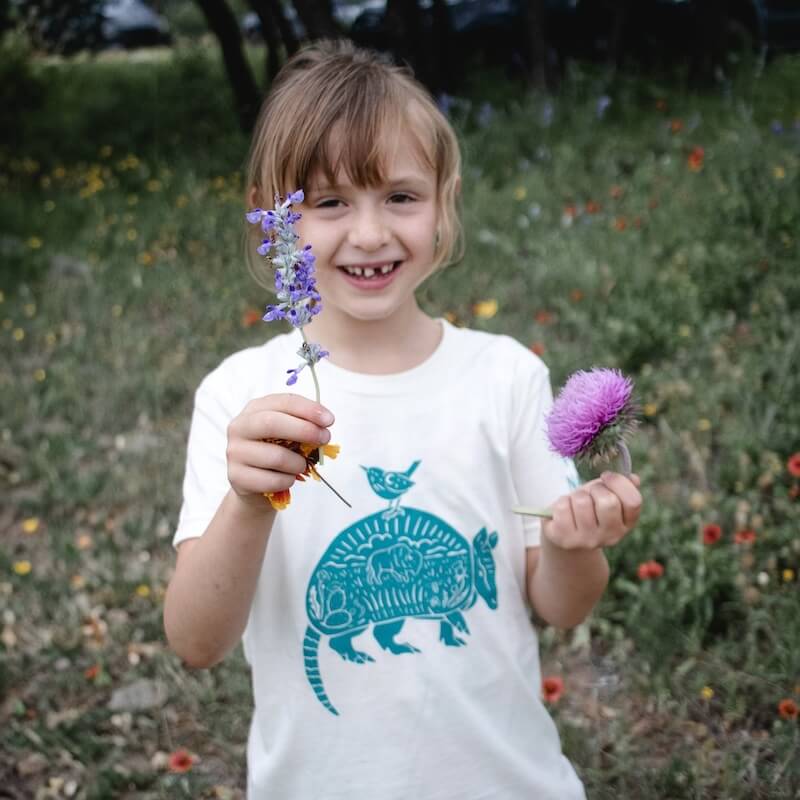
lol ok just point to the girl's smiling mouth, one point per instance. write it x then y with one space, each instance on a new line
373 275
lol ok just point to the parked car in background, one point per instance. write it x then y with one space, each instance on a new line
598 29
93 25
132 23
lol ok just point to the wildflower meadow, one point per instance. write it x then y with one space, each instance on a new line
623 222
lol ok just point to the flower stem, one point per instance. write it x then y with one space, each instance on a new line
316 390
625 454
542 513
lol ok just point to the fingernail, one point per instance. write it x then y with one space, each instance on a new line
326 418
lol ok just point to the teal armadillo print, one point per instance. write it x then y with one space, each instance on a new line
395 564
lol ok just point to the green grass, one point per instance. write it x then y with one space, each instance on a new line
123 283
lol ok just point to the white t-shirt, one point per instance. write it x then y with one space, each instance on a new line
346 703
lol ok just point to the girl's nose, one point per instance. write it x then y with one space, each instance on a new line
368 232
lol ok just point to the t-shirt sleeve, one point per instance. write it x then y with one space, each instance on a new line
540 476
205 481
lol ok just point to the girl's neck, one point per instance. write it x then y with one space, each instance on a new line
377 347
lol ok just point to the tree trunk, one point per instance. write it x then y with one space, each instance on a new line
317 18
287 33
222 22
441 49
535 47
404 25
269 31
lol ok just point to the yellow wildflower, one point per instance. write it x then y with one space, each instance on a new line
706 693
30 525
485 309
22 567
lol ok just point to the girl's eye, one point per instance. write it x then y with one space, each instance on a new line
329 203
401 197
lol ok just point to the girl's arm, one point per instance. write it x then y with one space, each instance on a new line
568 573
210 593
209 596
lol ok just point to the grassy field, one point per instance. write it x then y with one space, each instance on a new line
620 223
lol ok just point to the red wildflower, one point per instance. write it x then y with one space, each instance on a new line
543 317
250 317
552 689
180 761
793 465
744 537
616 191
712 533
576 295
637 222
90 673
788 709
649 570
620 224
695 160
570 211
592 207
676 125
538 348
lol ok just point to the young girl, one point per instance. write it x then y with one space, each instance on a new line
391 643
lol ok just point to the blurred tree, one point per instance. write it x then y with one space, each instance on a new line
222 21
61 26
535 45
317 18
277 33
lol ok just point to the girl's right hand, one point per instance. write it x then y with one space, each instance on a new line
256 467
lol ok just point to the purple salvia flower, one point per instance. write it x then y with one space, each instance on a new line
592 415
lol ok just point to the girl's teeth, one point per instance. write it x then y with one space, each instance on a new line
387 268
369 272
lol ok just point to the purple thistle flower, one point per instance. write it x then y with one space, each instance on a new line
592 415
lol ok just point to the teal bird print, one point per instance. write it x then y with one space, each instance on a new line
390 486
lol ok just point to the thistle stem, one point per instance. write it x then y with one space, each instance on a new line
542 513
316 472
625 454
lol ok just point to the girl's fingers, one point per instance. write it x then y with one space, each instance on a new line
278 425
267 456
608 508
294 405
627 490
586 518
250 480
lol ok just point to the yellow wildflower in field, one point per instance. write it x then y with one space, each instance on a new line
29 309
30 525
34 242
22 567
77 582
684 331
788 575
704 424
133 199
485 309
520 193
143 590
39 375
50 338
182 201
132 234
154 185
145 258
650 409
59 173
706 693
49 206
779 172
18 334
106 150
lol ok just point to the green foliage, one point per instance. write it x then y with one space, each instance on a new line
609 242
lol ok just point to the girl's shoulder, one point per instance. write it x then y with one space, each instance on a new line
496 354
249 372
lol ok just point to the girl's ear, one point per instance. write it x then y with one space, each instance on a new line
253 197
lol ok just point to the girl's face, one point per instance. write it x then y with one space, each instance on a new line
374 246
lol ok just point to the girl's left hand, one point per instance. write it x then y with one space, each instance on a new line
597 514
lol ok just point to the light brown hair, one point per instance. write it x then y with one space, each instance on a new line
335 87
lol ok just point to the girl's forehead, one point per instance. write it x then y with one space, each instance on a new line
394 153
